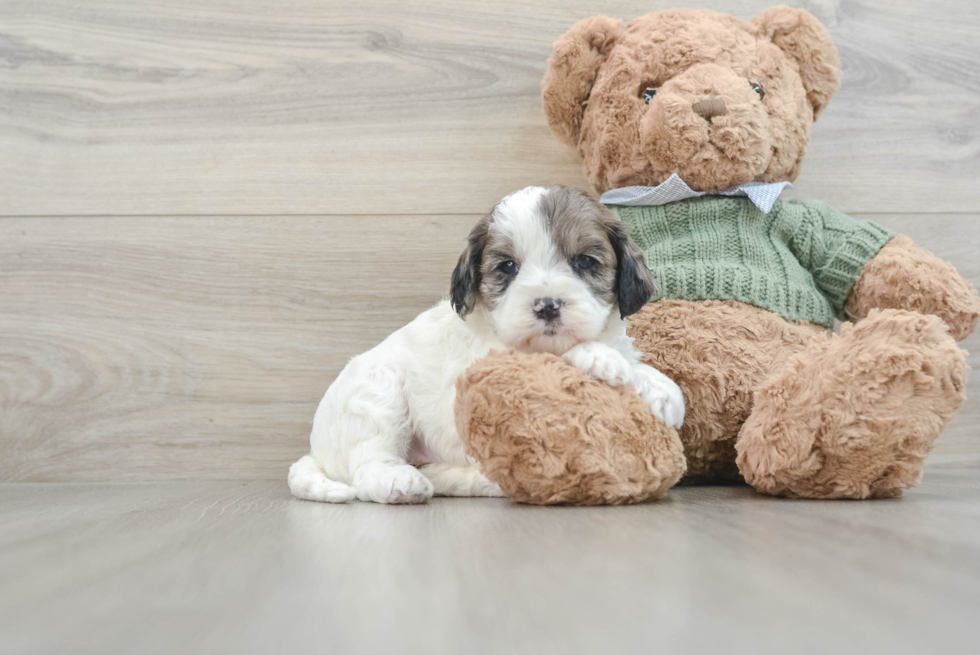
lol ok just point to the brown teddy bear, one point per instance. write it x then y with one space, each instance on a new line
690 123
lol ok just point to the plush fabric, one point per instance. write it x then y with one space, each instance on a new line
596 78
719 352
799 260
905 276
854 415
548 434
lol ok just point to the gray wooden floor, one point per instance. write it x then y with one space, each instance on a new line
208 206
210 567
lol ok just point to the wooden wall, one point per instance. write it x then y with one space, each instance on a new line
208 206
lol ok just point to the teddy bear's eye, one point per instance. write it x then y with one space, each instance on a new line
648 94
758 89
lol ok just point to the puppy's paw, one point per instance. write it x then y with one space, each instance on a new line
493 490
660 393
601 362
401 484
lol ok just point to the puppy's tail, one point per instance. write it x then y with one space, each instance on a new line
308 481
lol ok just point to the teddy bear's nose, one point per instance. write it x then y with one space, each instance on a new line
708 108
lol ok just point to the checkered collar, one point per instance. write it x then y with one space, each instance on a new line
762 194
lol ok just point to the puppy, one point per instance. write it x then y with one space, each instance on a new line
547 270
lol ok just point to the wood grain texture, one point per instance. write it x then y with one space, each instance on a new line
234 107
200 567
249 192
163 348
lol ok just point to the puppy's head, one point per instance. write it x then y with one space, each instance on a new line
551 266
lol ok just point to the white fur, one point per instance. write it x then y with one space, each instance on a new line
391 409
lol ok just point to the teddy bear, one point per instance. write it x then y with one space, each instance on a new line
690 123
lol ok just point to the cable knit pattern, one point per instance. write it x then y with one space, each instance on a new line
800 260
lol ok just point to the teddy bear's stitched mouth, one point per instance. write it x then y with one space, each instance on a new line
728 144
689 170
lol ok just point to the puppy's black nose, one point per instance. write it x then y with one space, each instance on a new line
547 309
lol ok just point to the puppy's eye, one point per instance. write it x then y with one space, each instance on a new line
648 93
583 262
508 267
758 89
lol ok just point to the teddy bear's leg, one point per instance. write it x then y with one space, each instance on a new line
718 352
854 415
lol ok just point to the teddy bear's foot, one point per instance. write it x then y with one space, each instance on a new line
854 415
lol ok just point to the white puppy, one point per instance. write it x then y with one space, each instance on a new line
547 270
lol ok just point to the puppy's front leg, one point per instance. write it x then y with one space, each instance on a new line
602 362
605 363
660 393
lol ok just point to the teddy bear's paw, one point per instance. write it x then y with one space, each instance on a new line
660 393
601 362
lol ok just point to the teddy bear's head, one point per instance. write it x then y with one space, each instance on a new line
717 100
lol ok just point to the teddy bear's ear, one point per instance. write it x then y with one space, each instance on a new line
803 38
572 70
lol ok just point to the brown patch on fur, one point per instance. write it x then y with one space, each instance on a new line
854 415
494 282
579 225
467 276
548 434
718 353
904 276
596 77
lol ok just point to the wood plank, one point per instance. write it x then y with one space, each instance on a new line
234 107
194 347
198 347
198 567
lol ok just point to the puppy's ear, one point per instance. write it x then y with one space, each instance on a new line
572 70
634 282
466 276
807 42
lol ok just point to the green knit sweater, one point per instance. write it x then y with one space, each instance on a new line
800 260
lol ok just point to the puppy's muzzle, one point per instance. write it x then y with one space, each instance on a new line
547 309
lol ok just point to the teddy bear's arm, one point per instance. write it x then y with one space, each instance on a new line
904 276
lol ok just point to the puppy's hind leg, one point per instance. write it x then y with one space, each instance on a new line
392 483
308 481
361 435
448 480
